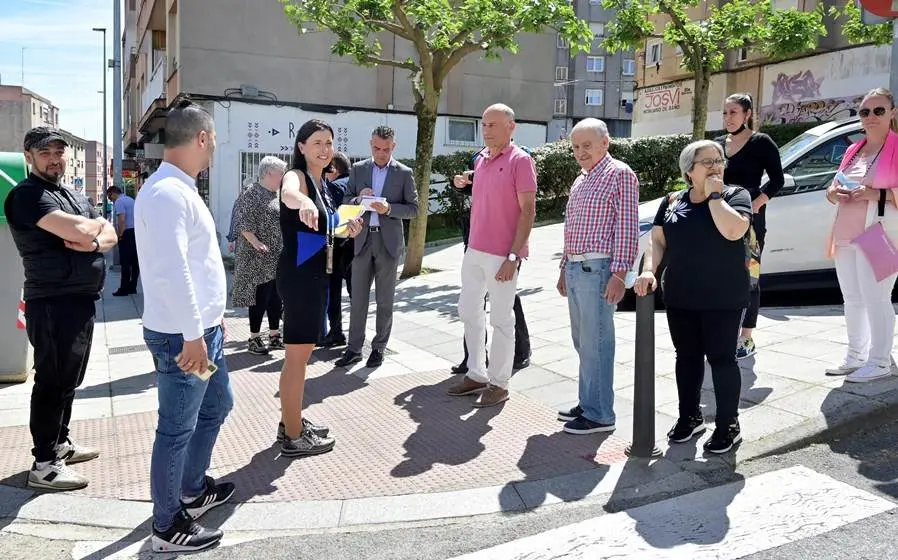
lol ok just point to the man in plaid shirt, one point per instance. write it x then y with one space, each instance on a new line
601 232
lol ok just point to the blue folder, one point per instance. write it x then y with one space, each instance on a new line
309 244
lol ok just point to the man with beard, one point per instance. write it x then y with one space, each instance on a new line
61 240
184 301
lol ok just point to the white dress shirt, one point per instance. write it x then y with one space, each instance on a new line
183 277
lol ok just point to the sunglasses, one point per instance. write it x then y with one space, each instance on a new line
878 111
709 163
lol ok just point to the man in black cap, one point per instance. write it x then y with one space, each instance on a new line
61 240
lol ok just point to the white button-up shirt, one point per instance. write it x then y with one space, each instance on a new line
183 277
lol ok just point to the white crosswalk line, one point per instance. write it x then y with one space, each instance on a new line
729 521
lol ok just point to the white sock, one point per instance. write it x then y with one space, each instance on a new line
274 332
254 335
188 499
41 465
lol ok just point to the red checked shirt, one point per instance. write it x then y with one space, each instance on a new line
603 214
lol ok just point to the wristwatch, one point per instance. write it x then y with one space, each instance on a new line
715 196
96 245
512 257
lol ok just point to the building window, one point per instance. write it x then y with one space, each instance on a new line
461 132
560 107
561 42
594 96
560 73
628 67
595 63
626 101
598 29
654 54
679 50
33 108
743 54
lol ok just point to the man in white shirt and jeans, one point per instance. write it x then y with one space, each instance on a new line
184 303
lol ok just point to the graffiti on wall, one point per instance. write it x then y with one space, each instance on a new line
663 99
797 87
815 110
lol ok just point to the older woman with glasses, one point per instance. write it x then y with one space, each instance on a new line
703 232
257 221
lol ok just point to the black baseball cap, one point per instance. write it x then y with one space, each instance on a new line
42 136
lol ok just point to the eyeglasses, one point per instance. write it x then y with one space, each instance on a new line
878 111
709 163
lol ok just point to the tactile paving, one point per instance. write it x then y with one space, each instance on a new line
395 435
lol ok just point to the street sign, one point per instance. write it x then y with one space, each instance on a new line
883 8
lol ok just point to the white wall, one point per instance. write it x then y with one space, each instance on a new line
245 127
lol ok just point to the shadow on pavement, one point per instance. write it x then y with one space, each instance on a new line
133 385
450 438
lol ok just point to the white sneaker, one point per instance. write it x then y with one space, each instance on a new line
869 372
848 365
55 476
72 453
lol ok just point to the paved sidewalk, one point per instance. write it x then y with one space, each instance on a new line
407 451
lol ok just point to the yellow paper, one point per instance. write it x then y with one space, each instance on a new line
346 213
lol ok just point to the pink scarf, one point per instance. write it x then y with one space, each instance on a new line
885 175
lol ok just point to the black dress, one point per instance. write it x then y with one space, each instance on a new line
302 278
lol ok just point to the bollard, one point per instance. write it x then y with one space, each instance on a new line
643 445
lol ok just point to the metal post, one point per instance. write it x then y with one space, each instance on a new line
117 94
105 149
893 75
23 66
643 445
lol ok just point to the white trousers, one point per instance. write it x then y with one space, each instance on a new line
478 278
869 315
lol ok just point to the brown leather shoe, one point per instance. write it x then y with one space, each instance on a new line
491 397
467 387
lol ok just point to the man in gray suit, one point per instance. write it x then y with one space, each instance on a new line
379 245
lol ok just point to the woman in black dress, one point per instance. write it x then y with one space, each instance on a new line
749 155
308 219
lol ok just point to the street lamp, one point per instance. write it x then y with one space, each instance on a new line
105 155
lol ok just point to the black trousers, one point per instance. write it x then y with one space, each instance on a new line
342 273
712 334
267 301
61 331
754 303
127 253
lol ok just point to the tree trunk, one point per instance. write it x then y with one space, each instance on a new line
426 111
700 103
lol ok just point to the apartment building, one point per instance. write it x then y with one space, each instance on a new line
21 110
76 162
823 85
261 80
95 170
594 84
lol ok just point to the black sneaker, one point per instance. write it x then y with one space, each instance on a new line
275 342
349 357
376 359
320 431
185 535
723 439
582 426
306 444
460 368
521 363
214 496
686 428
332 340
256 346
572 414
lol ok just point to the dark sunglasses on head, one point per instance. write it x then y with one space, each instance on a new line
878 111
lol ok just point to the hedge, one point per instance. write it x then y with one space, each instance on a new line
779 133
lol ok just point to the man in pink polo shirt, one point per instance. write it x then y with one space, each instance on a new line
502 213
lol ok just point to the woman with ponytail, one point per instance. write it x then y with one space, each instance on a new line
749 155
866 189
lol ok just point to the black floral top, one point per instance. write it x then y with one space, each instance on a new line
257 211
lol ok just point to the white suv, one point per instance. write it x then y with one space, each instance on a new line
799 217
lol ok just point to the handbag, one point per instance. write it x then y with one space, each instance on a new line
877 246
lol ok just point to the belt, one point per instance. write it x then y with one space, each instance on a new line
588 257
374 229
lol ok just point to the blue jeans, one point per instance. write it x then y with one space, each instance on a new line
191 412
592 328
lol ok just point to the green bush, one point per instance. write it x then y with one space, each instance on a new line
779 133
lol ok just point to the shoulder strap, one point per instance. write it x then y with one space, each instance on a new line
881 205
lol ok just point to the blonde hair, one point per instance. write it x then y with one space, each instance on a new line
887 93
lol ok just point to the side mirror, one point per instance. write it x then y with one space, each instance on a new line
788 181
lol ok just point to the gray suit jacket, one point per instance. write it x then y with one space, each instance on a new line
399 190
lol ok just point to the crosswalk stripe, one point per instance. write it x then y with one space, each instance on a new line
725 522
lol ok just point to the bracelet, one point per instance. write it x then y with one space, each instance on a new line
622 281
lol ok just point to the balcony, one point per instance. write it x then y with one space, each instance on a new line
155 89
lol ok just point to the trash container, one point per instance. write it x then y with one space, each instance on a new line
14 356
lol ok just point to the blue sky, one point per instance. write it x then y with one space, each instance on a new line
63 57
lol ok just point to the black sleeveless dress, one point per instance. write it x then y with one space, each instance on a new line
302 278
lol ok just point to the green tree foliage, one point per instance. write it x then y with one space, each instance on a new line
442 33
735 24
856 31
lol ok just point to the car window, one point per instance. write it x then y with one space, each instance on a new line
815 170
